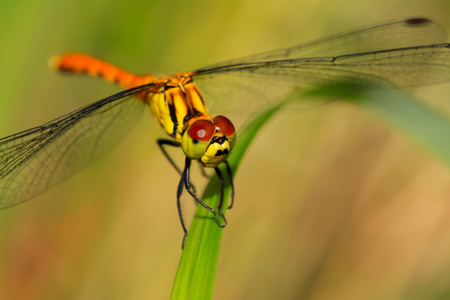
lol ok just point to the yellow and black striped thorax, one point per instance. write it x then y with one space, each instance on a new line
176 102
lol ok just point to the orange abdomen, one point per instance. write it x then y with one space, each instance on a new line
79 63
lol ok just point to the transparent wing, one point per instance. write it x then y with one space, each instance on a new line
32 161
246 86
392 35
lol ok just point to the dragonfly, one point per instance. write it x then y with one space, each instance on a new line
403 53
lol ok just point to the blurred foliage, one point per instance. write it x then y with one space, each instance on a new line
330 204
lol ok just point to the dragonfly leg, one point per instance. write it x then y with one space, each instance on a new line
187 184
165 142
204 174
230 178
180 212
222 187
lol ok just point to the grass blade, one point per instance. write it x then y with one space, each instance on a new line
197 268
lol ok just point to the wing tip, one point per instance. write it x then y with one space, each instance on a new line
418 21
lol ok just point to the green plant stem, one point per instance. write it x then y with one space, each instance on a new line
197 268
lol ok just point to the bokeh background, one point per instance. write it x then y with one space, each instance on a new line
331 203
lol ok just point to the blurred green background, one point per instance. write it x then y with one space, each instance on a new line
330 202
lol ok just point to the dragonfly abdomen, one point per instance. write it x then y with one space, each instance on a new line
78 63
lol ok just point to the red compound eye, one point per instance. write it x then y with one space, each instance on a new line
201 130
224 125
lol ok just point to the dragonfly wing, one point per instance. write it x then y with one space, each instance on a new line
397 34
250 87
37 159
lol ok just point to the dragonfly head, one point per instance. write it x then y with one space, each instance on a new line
209 141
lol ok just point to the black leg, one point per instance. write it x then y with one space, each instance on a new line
189 189
222 187
230 178
164 142
204 174
185 182
180 213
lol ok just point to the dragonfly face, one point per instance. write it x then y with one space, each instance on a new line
209 141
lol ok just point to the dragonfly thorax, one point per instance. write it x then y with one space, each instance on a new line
175 102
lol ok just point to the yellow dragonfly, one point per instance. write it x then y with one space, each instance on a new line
403 53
